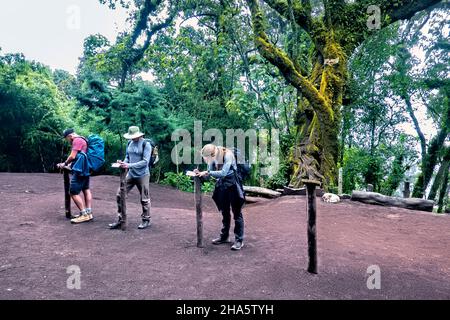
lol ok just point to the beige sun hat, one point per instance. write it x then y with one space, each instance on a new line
133 133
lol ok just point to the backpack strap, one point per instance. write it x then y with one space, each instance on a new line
225 150
144 145
87 142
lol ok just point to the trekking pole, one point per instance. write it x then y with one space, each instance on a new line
312 228
67 198
198 205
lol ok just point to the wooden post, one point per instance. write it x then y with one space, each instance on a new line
311 186
340 182
407 190
123 197
67 198
198 206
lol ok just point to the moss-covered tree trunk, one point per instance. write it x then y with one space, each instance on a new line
335 36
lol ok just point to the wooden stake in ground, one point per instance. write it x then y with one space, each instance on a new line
198 207
312 228
123 197
67 197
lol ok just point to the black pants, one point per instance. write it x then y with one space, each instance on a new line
229 197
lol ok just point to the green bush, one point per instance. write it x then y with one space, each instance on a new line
179 181
280 179
184 183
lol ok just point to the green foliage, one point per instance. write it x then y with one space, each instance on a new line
185 183
33 114
355 167
280 179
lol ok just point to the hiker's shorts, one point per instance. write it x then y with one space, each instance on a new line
78 184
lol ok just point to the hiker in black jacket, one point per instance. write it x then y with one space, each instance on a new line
227 193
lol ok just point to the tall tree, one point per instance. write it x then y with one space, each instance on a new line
335 34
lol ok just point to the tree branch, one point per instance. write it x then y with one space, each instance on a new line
301 11
281 60
408 8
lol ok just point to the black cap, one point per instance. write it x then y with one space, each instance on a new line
67 132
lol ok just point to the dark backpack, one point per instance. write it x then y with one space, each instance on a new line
243 169
95 152
154 158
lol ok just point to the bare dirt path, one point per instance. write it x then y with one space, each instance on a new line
411 248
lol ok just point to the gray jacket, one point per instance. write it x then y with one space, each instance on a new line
137 161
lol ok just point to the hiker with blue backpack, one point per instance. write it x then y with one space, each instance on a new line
80 181
228 192
137 161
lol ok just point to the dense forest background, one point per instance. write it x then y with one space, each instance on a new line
252 65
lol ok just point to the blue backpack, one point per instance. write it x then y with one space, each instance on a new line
95 152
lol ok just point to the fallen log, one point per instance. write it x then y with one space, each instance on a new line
251 200
288 191
267 193
345 196
379 199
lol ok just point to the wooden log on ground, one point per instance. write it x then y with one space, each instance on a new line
198 207
262 192
288 191
379 199
249 199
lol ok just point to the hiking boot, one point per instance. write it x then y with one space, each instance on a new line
220 240
144 225
81 219
115 225
238 245
71 217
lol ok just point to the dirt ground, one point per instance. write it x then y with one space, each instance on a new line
38 244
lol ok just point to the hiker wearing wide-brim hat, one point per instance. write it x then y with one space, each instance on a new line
133 133
137 159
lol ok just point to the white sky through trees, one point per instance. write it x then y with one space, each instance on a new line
44 30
